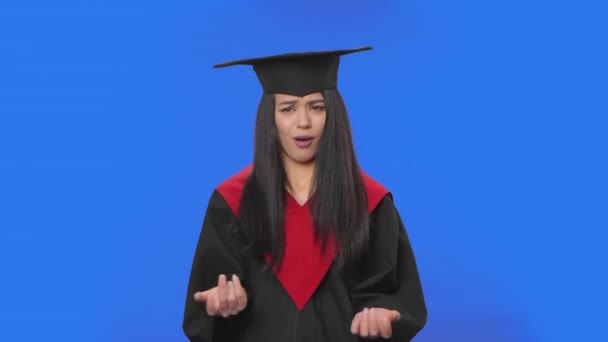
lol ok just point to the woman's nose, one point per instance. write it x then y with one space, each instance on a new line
303 119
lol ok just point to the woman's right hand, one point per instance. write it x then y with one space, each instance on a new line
226 299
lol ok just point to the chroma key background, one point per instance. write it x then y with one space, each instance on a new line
487 121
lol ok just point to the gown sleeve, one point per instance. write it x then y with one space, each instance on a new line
388 276
218 251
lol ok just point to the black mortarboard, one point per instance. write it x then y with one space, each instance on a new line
296 73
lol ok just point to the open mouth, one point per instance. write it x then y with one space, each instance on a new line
303 141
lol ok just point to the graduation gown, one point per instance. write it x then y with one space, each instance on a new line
310 299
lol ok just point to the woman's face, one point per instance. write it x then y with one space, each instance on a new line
300 122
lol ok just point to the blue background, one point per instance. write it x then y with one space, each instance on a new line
486 119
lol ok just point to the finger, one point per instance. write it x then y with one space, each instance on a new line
222 294
394 315
232 303
384 327
372 323
239 292
364 328
356 324
201 296
236 280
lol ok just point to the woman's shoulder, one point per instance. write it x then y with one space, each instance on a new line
375 190
231 188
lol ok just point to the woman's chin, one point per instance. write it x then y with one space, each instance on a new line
301 159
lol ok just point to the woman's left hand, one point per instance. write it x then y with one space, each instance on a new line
374 322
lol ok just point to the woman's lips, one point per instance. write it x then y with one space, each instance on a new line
303 141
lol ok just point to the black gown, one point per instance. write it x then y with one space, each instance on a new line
386 278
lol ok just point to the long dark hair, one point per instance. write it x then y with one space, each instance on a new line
339 202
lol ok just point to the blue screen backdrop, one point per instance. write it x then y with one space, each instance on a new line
487 121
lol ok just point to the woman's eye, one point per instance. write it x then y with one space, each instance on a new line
317 108
287 109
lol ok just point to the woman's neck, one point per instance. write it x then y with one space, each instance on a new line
299 179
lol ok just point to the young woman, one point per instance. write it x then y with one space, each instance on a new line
302 245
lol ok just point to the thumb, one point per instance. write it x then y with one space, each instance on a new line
394 315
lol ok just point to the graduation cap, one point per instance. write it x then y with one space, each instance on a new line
298 73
